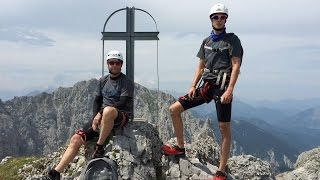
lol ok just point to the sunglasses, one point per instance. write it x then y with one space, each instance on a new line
117 63
221 17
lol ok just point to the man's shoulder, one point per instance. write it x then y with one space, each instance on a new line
126 78
232 36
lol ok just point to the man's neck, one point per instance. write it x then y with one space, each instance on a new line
115 76
217 32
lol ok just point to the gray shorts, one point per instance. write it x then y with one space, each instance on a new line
88 134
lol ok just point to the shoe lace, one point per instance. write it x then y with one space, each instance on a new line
177 148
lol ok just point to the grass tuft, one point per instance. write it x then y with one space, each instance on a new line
9 170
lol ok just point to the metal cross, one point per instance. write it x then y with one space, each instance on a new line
129 36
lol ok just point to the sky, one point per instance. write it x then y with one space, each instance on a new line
45 44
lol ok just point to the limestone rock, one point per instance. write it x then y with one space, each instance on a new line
249 167
307 167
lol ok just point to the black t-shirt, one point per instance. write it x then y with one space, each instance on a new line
114 88
217 54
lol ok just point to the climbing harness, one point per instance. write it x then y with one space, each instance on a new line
222 76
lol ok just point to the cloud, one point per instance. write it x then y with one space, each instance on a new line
50 42
29 36
25 67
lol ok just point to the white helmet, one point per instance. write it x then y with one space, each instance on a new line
115 55
218 8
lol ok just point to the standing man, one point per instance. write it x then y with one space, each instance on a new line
220 57
111 109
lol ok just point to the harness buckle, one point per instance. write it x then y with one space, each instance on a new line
206 70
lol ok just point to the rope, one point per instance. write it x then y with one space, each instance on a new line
158 81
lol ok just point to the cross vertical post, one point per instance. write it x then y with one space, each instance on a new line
130 43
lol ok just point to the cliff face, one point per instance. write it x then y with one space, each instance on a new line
307 167
9 138
39 124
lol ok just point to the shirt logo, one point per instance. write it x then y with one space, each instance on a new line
207 47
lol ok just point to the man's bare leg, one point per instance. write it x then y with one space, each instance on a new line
175 110
107 122
70 153
225 144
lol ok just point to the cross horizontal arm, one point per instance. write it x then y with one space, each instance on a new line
126 36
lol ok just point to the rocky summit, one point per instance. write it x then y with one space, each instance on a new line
137 151
41 125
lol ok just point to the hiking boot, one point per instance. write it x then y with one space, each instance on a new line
98 152
219 176
52 175
174 150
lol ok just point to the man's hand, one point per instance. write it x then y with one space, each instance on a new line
192 92
96 121
226 97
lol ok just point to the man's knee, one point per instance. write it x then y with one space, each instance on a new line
176 109
110 111
76 140
224 128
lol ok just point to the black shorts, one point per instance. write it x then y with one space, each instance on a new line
212 92
88 134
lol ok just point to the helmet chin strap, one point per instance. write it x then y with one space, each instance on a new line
218 29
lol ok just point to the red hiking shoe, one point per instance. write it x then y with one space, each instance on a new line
219 176
174 150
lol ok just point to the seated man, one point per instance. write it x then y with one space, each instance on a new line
112 107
